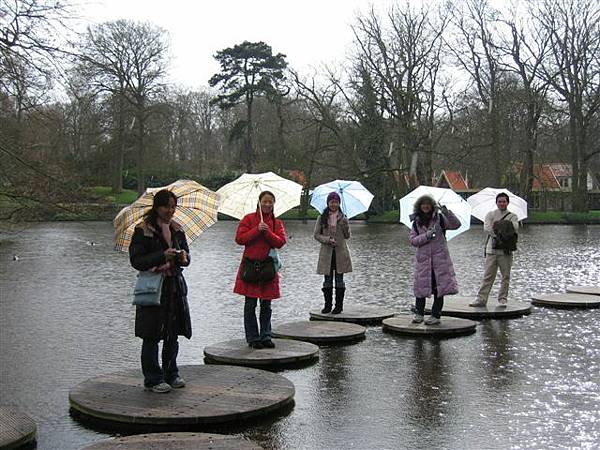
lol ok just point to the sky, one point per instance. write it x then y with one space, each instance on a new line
309 32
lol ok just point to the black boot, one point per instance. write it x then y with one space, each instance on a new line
339 300
328 296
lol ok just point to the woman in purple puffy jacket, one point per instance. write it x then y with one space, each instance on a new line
434 272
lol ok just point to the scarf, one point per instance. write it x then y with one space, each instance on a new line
165 231
332 223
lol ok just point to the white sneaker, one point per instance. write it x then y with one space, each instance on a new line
478 303
418 318
177 383
433 321
160 388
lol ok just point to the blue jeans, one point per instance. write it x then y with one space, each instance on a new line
153 374
250 324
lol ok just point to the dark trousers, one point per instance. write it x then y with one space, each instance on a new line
438 302
250 324
153 374
339 277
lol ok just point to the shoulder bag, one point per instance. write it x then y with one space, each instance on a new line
148 287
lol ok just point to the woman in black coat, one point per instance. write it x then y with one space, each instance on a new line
159 245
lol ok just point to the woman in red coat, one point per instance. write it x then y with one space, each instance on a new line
259 232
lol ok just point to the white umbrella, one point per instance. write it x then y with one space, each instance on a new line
355 198
446 197
240 197
485 201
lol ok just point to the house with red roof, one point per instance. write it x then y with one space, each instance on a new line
451 179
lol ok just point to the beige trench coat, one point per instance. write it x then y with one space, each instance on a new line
343 262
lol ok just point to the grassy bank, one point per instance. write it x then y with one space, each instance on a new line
561 217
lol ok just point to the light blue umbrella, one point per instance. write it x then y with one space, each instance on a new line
354 197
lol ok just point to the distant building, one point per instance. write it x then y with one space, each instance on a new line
451 180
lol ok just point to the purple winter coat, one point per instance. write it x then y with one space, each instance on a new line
433 254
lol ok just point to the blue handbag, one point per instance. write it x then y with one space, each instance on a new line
277 263
148 289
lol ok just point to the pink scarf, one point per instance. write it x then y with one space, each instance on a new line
166 268
332 223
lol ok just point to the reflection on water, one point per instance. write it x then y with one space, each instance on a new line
525 383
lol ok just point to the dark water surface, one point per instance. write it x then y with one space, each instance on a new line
532 382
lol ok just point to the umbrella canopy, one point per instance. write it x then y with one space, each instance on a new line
354 197
240 197
196 211
485 201
446 197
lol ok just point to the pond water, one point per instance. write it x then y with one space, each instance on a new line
531 382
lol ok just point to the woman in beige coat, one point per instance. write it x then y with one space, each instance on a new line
332 230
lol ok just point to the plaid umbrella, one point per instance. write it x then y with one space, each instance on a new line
196 211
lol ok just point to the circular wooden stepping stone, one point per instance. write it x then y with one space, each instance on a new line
450 326
455 306
176 441
355 314
588 290
213 394
237 352
567 300
16 429
320 332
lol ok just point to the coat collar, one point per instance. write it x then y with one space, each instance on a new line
150 230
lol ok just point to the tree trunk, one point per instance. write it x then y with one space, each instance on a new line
141 176
117 185
248 150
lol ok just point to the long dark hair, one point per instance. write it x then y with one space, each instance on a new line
422 217
325 215
161 198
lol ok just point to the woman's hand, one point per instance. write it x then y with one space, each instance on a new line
183 257
263 226
170 253
332 242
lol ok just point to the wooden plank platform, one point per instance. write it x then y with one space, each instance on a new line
456 306
176 441
566 300
320 332
449 326
588 290
214 394
16 429
237 352
355 314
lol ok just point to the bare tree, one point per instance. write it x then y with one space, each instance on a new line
129 60
403 59
527 49
572 68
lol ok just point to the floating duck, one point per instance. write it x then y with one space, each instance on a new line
15 258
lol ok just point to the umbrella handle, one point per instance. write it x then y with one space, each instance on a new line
260 211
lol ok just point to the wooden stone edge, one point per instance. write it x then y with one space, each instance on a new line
262 362
325 340
467 329
170 421
359 321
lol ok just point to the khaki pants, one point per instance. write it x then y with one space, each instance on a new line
492 264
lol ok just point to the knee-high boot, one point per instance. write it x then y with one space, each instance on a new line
328 296
339 300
